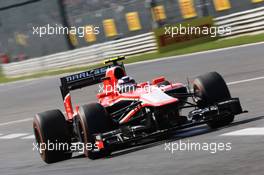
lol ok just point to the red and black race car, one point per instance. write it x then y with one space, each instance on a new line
128 112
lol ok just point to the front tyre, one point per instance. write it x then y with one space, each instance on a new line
50 130
93 119
211 88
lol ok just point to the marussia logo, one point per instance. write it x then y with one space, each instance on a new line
87 74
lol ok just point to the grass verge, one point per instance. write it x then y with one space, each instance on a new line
222 43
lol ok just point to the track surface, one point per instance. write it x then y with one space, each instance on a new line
20 101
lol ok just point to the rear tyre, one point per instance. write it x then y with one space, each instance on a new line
93 118
51 129
211 88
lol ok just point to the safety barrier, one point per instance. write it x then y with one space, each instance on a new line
243 22
89 55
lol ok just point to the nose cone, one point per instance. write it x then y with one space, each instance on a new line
157 97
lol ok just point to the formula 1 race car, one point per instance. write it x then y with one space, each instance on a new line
128 112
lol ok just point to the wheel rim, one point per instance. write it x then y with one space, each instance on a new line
81 131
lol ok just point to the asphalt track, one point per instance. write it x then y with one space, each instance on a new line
20 101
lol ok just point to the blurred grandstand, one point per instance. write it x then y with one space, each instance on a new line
18 43
78 7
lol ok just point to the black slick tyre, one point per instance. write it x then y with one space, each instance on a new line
51 129
211 88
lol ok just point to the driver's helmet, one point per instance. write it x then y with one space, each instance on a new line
126 84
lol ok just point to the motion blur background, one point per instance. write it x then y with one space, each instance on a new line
18 17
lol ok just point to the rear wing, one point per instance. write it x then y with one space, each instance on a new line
84 79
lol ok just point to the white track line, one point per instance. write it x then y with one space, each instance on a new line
12 136
230 83
244 81
17 135
246 132
16 121
29 137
